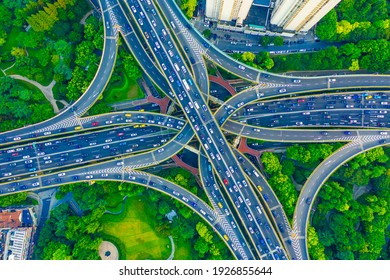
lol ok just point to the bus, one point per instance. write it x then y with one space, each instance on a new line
186 84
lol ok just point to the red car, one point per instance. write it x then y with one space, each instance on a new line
225 181
120 133
301 100
95 123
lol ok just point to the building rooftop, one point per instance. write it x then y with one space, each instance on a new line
10 219
265 3
257 16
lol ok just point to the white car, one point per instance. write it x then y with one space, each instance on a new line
163 66
35 184
105 175
282 90
241 67
89 177
61 174
47 133
134 9
17 138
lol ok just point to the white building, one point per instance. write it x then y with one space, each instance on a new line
300 15
228 10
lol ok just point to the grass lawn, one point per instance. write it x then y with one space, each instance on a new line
134 228
183 252
126 89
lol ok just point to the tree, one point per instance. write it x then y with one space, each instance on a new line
265 41
326 28
202 247
264 61
315 248
189 7
163 207
278 41
207 33
248 57
18 52
271 163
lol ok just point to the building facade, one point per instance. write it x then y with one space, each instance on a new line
17 227
228 10
300 15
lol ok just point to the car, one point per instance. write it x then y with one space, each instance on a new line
241 67
61 174
282 90
108 140
133 9
324 133
17 138
95 123
89 177
383 133
154 22
299 123
108 122
47 133
248 201
140 22
104 175
225 181
347 132
382 141
308 200
163 66
75 177
171 79
170 44
296 81
35 184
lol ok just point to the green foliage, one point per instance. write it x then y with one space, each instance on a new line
278 41
65 236
271 163
14 199
316 249
351 228
285 191
188 6
207 33
21 104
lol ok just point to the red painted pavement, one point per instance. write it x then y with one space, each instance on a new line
181 163
243 148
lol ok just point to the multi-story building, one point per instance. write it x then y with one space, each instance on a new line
17 227
228 10
300 15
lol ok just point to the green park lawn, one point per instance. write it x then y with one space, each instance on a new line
134 229
126 89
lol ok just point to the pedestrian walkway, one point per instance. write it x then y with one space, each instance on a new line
181 163
243 148
82 21
46 90
223 83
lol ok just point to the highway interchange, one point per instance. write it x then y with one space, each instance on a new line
244 210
